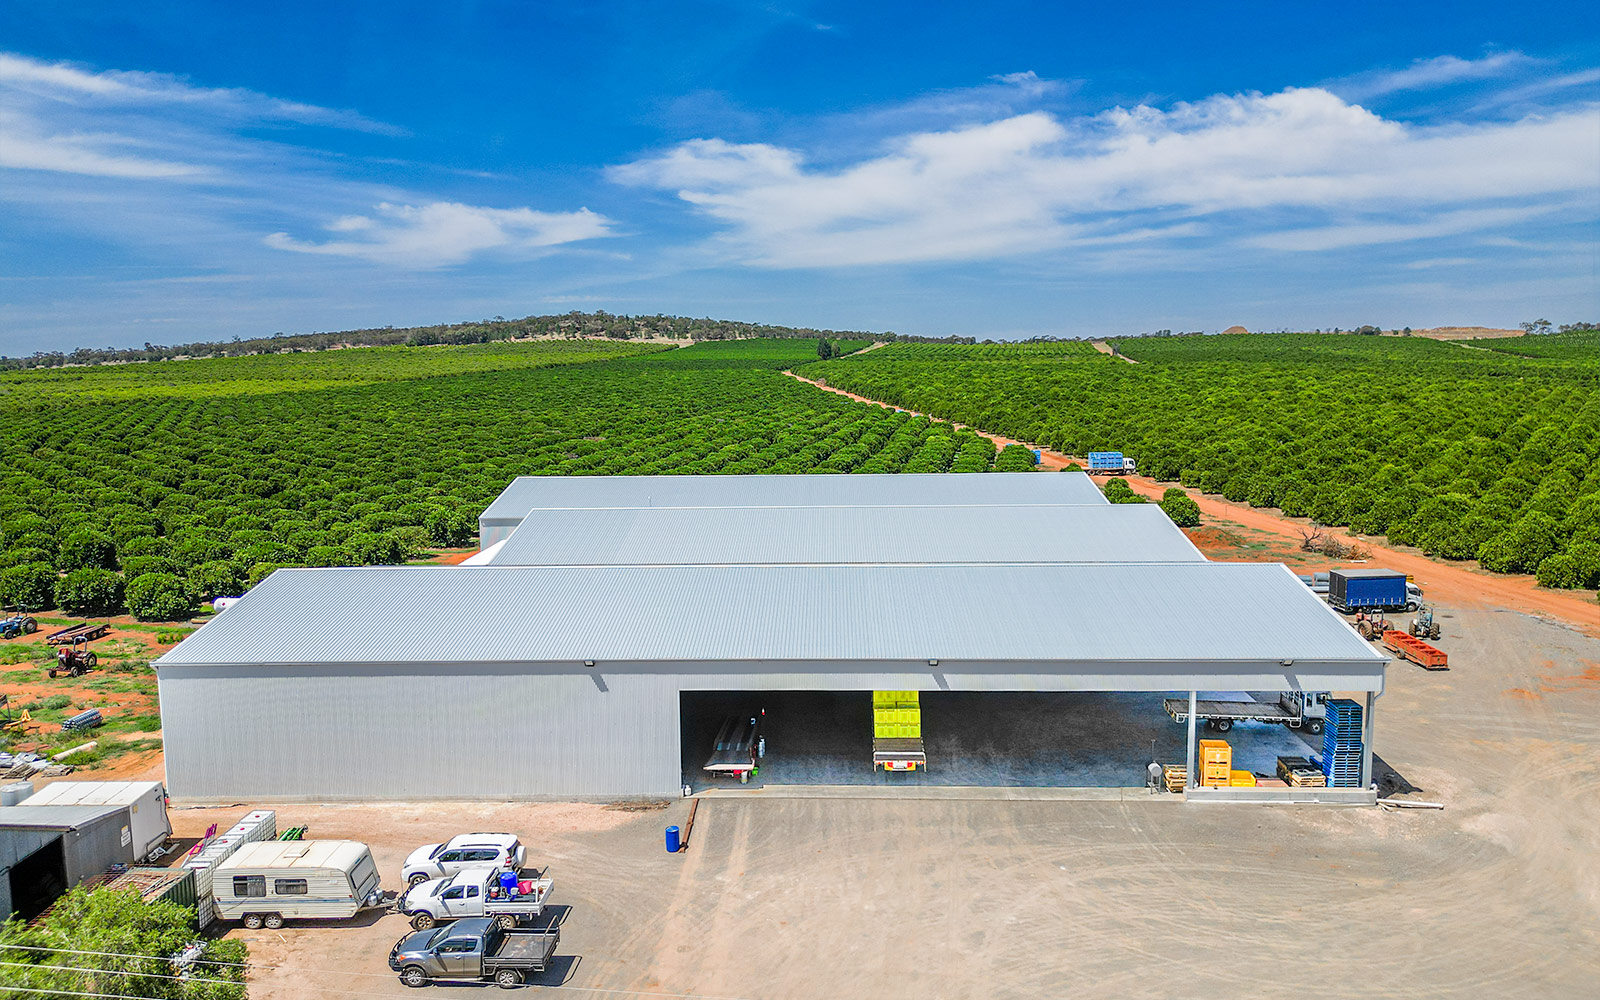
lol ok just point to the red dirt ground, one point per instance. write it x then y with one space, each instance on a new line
1460 582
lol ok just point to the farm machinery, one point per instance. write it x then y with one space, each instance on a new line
75 660
17 624
1425 626
72 633
1371 624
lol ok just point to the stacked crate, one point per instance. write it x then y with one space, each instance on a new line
1341 744
1216 763
896 715
260 824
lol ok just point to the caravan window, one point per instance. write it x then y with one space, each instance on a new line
289 886
249 885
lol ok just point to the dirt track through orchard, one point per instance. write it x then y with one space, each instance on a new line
1460 583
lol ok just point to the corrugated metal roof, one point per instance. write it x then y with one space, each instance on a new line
706 536
529 493
1071 614
54 817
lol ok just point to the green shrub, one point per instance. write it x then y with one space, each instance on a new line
371 548
133 566
217 578
259 572
326 555
31 586
85 549
159 597
1522 547
1183 511
1015 458
21 557
90 592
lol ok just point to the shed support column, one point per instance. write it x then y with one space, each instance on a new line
1366 740
1188 760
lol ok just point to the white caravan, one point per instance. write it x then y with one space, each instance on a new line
266 883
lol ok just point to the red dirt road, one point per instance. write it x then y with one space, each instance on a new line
1460 583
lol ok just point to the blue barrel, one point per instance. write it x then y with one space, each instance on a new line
672 840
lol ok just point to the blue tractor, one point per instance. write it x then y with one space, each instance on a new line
17 624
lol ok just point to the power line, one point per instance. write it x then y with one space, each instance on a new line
327 972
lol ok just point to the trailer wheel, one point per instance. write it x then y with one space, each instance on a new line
422 921
1222 725
272 921
414 976
252 921
505 921
1314 727
508 979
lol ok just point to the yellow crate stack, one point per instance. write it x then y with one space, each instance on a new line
1216 763
896 715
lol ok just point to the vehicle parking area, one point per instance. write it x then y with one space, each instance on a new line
955 895
1067 739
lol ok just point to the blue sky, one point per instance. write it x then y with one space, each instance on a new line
178 171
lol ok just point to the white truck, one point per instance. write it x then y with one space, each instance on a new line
1306 710
476 892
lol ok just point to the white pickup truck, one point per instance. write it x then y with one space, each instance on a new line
474 892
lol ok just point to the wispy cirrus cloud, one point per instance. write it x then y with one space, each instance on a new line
444 233
1426 74
1034 181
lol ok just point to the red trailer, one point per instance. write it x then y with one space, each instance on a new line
1411 648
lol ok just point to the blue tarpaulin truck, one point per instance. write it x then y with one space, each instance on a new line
1369 590
1111 462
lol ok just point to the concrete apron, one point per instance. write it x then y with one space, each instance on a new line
1259 796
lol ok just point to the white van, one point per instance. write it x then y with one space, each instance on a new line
266 883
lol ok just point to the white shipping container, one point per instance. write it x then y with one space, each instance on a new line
146 802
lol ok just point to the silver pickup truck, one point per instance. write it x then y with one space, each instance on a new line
474 892
473 950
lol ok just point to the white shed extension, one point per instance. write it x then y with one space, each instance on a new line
530 493
766 536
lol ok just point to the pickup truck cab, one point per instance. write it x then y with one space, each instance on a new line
476 950
468 850
476 892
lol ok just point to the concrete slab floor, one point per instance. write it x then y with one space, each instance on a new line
973 739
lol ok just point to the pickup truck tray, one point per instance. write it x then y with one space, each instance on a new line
528 904
526 950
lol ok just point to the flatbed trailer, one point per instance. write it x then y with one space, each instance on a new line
1221 715
737 747
72 633
899 755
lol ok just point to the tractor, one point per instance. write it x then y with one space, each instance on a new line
1425 626
1371 624
17 624
74 662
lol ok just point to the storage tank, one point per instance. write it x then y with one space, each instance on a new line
15 792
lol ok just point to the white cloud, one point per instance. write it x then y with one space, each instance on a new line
1032 180
64 82
1427 74
443 233
27 147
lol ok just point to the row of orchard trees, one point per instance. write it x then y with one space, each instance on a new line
1462 453
161 499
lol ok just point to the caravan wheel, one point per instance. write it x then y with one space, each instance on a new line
273 921
253 921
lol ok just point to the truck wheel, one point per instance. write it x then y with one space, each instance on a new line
252 921
1314 727
508 979
414 976
416 880
272 921
423 921
505 921
1222 725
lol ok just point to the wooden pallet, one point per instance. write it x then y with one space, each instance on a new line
1176 776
